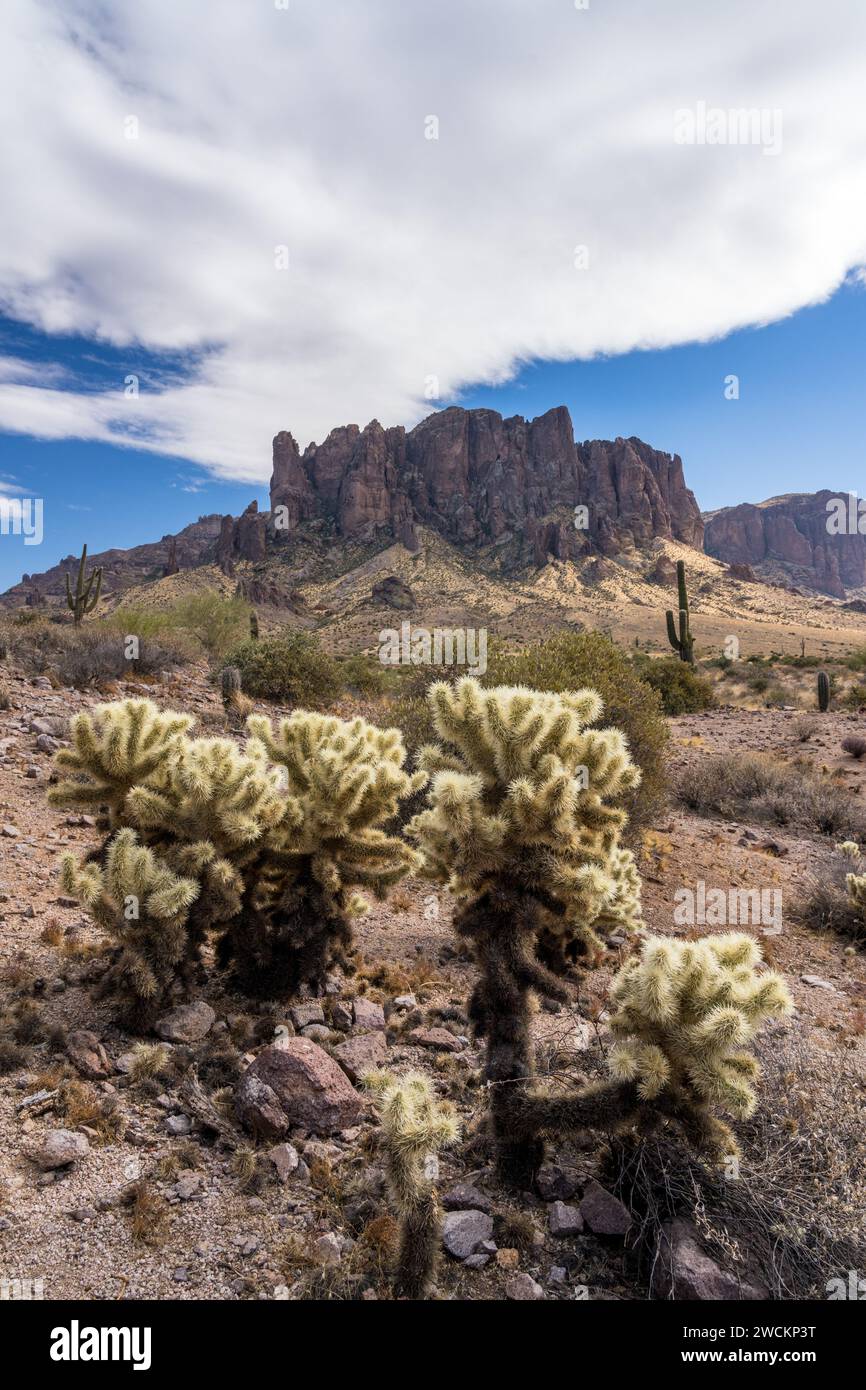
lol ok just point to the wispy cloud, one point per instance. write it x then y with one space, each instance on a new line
414 265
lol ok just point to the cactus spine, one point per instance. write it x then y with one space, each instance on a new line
823 691
254 625
87 590
414 1127
682 641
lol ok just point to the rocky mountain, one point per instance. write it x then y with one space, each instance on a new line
788 538
481 480
476 479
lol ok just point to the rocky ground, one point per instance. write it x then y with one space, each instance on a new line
112 1185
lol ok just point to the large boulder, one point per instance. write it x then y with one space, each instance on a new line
295 1084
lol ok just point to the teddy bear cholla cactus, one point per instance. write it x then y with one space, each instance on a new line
272 834
343 780
415 1126
143 907
523 827
686 1012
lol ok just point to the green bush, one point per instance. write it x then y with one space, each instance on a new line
363 674
292 669
573 660
216 622
682 689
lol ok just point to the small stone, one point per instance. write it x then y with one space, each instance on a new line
319 1032
464 1231
181 1276
87 1055
683 1270
565 1220
188 1185
508 1258
463 1196
817 983
285 1159
302 1015
522 1288
558 1274
437 1038
341 1016
59 1148
361 1054
10 831
188 1023
405 1001
368 1015
603 1213
555 1183
477 1261
327 1250
178 1125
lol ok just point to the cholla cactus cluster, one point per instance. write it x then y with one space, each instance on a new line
271 836
523 787
523 826
341 782
687 1012
415 1126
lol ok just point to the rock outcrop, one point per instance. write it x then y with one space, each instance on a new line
479 479
788 537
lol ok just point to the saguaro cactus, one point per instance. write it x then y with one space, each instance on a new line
682 640
415 1126
87 590
823 691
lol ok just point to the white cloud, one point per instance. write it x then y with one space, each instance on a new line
409 258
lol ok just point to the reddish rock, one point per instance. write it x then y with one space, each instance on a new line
439 1039
295 1084
789 536
359 1055
87 1055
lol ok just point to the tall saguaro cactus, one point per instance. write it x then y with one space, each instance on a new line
682 640
87 590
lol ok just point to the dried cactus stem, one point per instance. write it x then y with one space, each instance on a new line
230 684
682 640
420 1234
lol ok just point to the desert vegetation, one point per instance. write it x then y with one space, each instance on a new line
427 886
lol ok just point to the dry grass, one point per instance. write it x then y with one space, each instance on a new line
147 1213
747 785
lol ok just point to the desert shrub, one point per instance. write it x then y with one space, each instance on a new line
362 673
683 690
99 655
575 660
854 746
795 794
262 843
835 901
293 669
854 697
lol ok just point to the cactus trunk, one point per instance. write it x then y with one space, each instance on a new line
681 640
823 691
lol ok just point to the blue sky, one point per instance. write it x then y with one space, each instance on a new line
298 217
796 426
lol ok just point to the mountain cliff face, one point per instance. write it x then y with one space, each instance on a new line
477 479
789 536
